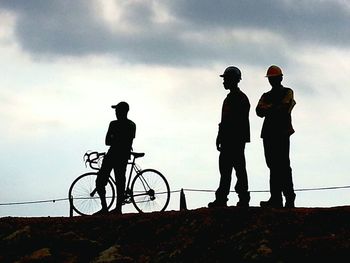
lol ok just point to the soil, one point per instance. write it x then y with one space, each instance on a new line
229 234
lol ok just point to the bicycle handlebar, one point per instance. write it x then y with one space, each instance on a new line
94 158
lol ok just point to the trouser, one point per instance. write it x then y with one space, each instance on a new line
118 163
232 157
276 151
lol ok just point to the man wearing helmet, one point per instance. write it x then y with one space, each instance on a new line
276 106
119 137
234 133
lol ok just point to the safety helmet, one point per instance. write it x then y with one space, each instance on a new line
232 71
274 71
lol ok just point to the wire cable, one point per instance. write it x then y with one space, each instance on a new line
177 191
36 202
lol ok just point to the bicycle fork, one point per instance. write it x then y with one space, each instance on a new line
150 192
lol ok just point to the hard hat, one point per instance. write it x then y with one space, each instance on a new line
274 71
232 71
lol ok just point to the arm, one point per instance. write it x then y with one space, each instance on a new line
263 108
218 140
246 108
287 103
109 136
132 134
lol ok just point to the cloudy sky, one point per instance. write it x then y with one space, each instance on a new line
63 63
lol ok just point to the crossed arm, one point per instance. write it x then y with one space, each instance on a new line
265 107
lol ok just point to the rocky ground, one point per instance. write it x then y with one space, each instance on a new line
203 235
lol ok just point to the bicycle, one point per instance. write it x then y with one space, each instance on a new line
149 190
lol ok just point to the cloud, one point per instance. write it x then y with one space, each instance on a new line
177 32
315 21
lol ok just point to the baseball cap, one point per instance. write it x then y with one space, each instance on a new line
121 105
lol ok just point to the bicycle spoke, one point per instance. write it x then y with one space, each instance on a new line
150 191
80 191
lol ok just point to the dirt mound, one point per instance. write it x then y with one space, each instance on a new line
201 235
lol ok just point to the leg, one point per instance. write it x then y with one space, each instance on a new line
286 173
225 168
239 164
101 181
119 173
272 160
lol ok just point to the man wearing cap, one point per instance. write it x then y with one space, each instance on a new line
276 106
234 133
120 135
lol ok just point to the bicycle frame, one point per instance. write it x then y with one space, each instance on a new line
134 167
137 169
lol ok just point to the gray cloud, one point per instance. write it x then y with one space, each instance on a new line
302 20
58 27
76 28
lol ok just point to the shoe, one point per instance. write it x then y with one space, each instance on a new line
290 202
271 204
101 212
242 204
116 211
244 199
217 203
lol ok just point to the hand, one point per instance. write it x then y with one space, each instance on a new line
218 144
266 106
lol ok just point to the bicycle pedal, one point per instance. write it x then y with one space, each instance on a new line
127 201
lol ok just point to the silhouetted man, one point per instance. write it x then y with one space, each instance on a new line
234 133
120 135
276 106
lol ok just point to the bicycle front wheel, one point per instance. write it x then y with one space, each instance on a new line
150 191
83 195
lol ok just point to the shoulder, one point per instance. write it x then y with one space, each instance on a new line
131 123
237 94
266 94
243 95
113 123
288 91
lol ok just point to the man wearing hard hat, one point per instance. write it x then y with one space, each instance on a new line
276 106
234 133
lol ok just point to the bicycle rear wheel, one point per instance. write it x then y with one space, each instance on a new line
150 191
84 198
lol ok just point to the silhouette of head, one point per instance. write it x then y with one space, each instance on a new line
232 76
275 75
121 110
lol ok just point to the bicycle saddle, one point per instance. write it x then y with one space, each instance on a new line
137 155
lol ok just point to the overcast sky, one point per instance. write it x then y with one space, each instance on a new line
63 63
